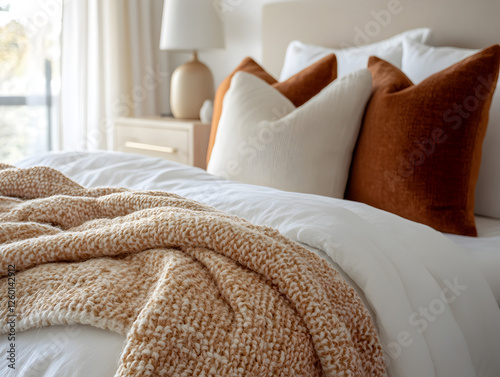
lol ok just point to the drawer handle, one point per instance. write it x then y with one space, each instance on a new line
150 147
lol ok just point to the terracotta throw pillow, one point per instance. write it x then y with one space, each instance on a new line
298 88
419 149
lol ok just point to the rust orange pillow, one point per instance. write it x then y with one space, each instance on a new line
298 88
419 149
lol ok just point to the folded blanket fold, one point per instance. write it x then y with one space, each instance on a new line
196 292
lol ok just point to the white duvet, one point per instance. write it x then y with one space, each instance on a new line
435 312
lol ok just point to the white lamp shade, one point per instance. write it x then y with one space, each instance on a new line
191 25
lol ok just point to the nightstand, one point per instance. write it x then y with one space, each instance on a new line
180 140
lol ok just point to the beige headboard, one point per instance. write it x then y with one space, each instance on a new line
339 23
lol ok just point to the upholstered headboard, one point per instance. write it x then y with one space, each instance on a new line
343 23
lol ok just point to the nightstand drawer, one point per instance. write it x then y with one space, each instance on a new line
171 144
180 140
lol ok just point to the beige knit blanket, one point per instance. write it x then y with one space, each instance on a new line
195 291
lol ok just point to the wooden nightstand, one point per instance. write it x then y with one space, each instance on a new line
184 141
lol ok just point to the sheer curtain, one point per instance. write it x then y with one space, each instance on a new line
111 67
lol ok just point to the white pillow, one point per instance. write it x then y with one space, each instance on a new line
299 55
420 61
263 139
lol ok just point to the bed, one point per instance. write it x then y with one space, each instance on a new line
433 297
323 225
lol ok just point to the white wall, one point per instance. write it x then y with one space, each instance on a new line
242 25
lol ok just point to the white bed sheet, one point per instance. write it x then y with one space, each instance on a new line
401 266
64 351
485 249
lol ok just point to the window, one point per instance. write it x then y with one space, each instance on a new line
29 76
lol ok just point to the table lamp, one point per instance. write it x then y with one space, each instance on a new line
190 25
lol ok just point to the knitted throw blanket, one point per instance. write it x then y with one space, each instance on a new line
195 291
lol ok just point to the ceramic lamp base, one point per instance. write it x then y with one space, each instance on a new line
192 83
